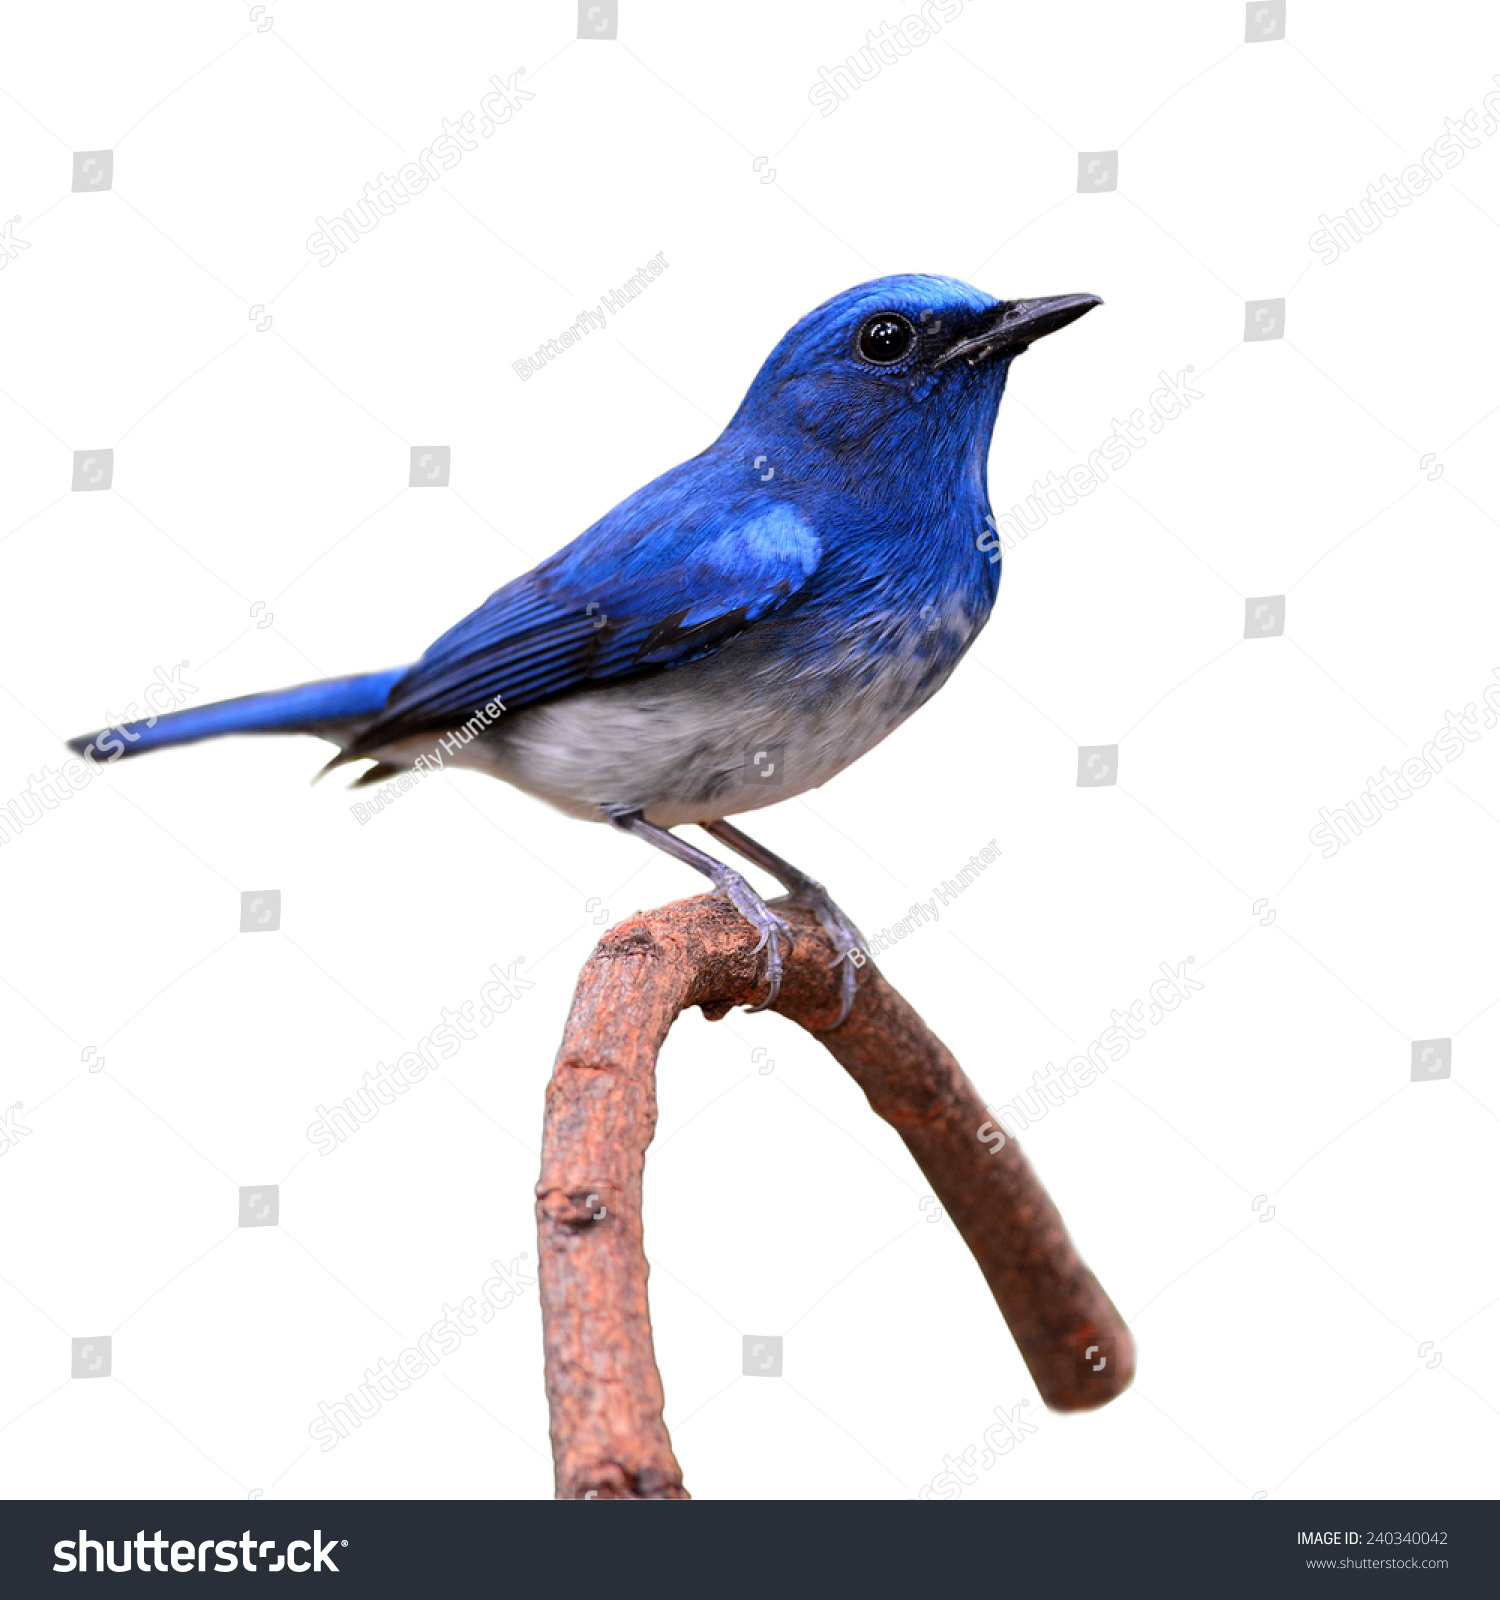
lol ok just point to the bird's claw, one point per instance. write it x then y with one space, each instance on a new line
771 928
850 951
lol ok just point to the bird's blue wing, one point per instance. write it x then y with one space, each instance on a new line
666 577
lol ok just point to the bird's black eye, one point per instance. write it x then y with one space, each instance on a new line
886 338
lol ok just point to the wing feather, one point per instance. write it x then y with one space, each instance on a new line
670 575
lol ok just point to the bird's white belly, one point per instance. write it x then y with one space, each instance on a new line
708 740
758 722
677 757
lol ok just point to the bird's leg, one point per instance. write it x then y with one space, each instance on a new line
730 884
807 892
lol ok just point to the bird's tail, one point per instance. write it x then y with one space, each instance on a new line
330 709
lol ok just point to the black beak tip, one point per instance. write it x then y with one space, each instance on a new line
1029 320
1015 325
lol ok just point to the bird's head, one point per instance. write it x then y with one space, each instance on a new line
907 369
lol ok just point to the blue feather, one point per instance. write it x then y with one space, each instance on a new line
307 708
681 565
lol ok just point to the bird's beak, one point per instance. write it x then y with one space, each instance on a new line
1018 324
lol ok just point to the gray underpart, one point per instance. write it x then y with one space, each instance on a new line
758 722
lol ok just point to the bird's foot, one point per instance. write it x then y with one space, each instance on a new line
767 924
851 952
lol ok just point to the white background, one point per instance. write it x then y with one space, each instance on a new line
1280 1353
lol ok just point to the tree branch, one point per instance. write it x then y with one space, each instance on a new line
603 1387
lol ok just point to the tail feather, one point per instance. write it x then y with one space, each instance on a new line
381 772
324 708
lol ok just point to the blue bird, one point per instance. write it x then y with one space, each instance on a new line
737 631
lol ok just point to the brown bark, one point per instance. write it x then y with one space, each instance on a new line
603 1387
